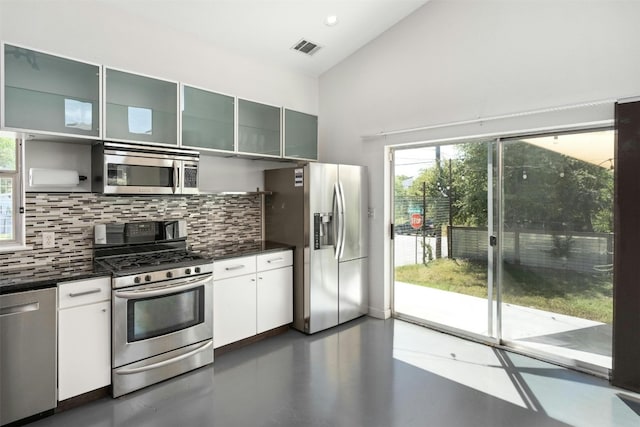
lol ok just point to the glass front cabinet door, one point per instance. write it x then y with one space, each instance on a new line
207 120
258 129
300 135
140 109
50 94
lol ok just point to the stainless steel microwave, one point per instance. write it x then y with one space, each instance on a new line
119 168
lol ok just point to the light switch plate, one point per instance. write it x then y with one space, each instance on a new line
48 239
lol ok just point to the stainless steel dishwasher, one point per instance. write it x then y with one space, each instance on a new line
27 354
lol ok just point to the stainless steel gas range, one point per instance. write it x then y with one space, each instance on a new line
162 300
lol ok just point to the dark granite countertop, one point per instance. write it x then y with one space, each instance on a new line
233 250
33 277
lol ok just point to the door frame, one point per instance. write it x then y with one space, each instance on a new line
497 140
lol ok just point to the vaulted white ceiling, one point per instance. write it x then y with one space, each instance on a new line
267 29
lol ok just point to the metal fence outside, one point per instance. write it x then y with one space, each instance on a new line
585 252
580 252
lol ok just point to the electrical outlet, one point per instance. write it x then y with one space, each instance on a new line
48 239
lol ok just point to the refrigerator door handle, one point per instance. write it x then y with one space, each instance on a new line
337 197
343 222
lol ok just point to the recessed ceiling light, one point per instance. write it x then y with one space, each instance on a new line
331 20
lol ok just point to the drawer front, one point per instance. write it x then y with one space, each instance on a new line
275 260
80 292
233 267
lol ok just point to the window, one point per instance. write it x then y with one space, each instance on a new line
11 195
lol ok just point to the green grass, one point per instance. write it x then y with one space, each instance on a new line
588 296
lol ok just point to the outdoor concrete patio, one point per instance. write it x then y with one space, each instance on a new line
543 331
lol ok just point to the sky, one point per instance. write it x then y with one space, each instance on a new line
409 162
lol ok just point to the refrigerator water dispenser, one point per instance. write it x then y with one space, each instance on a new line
322 230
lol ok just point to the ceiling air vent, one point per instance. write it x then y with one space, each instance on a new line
307 47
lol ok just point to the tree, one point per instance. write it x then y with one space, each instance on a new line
470 185
436 208
542 189
401 200
7 153
550 191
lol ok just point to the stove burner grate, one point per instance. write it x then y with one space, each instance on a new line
141 261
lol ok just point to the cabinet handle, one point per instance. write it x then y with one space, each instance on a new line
234 267
79 294
275 260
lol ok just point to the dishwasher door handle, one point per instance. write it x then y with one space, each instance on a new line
17 309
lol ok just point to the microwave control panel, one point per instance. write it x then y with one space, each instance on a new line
190 177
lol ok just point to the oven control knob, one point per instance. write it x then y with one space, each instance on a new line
169 274
136 279
197 269
147 277
187 271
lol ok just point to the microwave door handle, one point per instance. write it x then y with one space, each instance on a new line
176 177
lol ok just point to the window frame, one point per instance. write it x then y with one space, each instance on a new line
17 176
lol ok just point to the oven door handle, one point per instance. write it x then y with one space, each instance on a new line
129 371
161 290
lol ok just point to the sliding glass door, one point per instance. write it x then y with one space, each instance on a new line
557 246
510 241
443 209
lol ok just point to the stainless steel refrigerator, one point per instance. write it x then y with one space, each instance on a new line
322 209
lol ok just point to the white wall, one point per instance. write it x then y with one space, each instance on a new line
219 174
455 60
95 33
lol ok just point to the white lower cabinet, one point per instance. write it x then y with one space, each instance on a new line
258 297
274 298
234 309
84 336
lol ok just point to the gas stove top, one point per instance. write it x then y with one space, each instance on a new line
137 269
129 264
142 253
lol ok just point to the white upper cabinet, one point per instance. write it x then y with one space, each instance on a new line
50 94
300 135
258 129
46 94
140 108
208 120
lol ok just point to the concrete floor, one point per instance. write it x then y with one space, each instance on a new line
370 373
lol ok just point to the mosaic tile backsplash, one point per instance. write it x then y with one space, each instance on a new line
212 221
